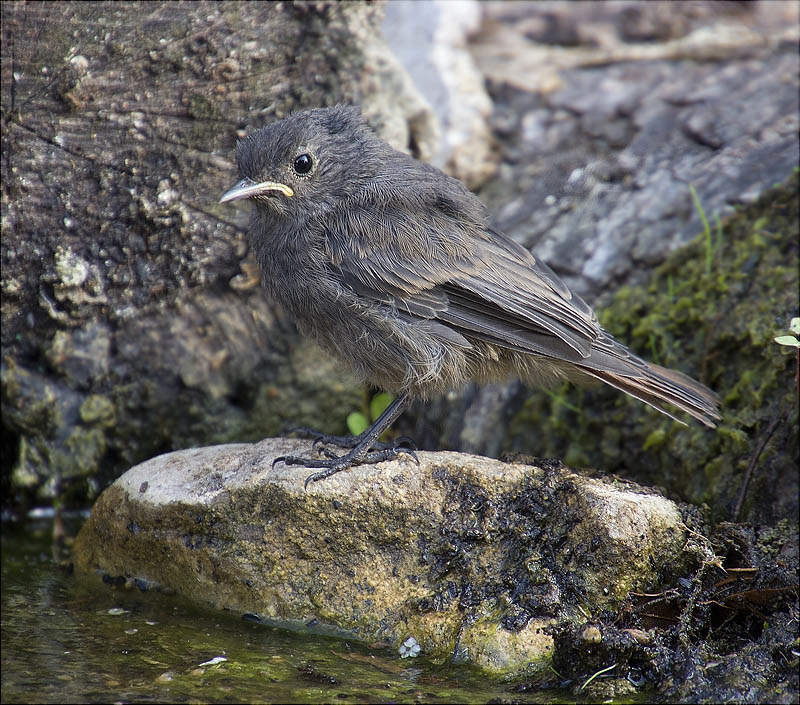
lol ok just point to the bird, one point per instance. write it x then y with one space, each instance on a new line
392 266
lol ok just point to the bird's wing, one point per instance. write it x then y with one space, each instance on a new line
430 265
474 283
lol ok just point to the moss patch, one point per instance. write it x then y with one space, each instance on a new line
712 311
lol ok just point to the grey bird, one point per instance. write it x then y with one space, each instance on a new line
391 265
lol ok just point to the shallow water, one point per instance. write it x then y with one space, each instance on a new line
69 639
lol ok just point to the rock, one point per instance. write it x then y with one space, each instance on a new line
430 40
471 558
600 142
121 275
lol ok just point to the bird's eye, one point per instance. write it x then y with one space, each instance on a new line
303 164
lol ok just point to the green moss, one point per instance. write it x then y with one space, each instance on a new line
655 439
98 409
85 449
22 475
714 320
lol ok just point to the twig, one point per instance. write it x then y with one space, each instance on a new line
601 671
751 467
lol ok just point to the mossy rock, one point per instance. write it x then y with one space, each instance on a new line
712 310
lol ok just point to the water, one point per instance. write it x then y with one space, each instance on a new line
66 638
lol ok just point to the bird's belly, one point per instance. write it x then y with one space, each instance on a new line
389 352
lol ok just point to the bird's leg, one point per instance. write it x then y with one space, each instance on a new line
325 439
361 453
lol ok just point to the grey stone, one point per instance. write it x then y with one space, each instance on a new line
640 128
470 557
429 38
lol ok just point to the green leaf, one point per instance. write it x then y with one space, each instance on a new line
655 439
378 404
357 423
788 340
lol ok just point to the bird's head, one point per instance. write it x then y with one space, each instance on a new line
306 163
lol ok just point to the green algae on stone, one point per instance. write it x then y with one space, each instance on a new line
97 409
716 322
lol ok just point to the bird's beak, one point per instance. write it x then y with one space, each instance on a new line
247 188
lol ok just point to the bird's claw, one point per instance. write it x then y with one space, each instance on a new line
408 451
409 443
336 463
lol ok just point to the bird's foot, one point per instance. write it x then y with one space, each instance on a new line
326 439
320 437
336 463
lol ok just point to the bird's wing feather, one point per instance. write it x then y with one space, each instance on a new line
481 285
467 276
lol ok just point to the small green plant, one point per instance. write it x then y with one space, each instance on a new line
357 421
791 340
706 228
560 397
599 673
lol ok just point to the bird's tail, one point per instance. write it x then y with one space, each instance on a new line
656 385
